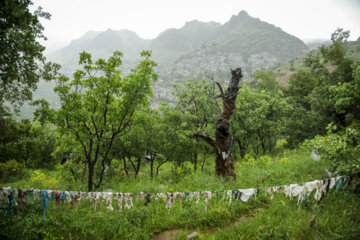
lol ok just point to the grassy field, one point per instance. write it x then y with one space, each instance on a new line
336 217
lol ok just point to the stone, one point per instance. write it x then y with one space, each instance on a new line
192 235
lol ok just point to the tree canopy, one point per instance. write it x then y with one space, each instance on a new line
22 63
98 106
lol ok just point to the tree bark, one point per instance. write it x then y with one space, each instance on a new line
158 167
241 149
137 167
195 161
203 163
125 167
90 177
224 165
152 166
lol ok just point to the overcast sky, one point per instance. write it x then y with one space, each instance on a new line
306 19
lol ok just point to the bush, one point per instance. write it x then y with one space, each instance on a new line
11 168
342 149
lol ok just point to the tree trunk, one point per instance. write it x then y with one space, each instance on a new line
223 163
125 168
195 161
152 159
241 149
91 175
138 166
158 167
203 164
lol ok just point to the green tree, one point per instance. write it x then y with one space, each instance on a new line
26 142
325 92
98 106
175 144
195 101
141 141
346 96
257 120
266 81
22 63
340 148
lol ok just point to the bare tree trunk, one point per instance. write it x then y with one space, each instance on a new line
241 149
125 168
195 161
222 143
136 168
90 177
203 163
158 167
152 159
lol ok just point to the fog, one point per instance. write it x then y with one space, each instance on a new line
305 19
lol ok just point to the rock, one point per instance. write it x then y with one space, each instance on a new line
192 235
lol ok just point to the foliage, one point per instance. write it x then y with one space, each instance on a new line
97 107
11 168
175 145
195 101
266 81
325 92
27 142
22 63
258 119
341 148
44 181
346 96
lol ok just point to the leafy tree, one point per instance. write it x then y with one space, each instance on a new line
266 81
141 141
333 67
346 96
195 102
26 142
341 148
257 120
301 85
22 63
98 106
324 92
175 144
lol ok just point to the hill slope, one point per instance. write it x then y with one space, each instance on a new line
196 50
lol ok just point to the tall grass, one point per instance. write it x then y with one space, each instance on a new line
280 218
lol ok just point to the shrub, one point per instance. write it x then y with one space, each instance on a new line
11 168
342 149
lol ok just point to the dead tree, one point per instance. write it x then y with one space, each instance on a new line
223 142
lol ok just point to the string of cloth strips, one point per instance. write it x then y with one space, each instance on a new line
125 200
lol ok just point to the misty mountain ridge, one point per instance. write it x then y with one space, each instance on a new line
196 50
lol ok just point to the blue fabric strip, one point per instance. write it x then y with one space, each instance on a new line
45 200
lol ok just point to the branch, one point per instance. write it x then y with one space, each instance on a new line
206 138
215 97
158 167
220 88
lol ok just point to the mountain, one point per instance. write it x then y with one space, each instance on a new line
173 43
100 45
242 41
196 50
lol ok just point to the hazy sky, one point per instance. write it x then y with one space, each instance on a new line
302 18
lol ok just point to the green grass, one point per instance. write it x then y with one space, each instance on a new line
280 218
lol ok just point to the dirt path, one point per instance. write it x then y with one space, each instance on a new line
174 233
167 234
